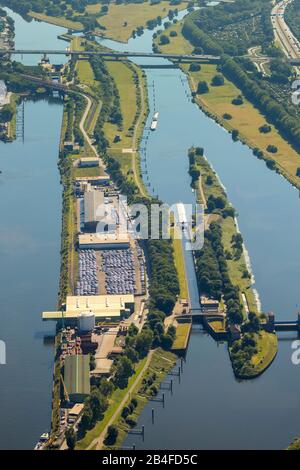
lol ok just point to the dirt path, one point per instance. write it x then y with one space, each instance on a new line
98 442
82 126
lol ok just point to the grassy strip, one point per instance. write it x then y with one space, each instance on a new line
237 267
115 400
58 21
12 126
182 336
161 363
180 266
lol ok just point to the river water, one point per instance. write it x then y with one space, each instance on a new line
209 409
30 208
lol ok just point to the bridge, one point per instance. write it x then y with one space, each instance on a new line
48 83
113 54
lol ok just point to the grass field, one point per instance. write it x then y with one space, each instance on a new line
267 345
178 44
182 334
236 268
122 20
180 266
124 80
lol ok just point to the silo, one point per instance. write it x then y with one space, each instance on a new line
86 321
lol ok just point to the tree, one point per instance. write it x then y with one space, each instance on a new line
144 342
163 40
218 80
111 436
6 113
124 370
167 341
71 438
132 354
194 67
202 88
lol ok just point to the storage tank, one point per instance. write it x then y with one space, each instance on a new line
86 321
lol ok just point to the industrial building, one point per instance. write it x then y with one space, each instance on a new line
113 307
93 180
87 162
77 377
94 209
104 241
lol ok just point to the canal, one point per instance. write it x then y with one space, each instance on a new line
30 208
210 409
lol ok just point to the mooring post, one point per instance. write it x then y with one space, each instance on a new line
181 364
179 374
133 446
152 412
171 386
163 400
143 432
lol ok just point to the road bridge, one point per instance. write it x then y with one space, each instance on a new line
112 54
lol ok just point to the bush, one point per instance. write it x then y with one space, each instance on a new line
227 116
194 67
235 134
218 80
265 129
202 88
272 149
111 436
238 101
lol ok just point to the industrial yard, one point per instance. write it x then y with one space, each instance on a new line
110 294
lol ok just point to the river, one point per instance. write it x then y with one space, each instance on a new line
30 208
209 409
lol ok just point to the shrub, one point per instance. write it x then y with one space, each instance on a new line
202 88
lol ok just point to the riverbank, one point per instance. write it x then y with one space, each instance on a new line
147 387
217 103
120 22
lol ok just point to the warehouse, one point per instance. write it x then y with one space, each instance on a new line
93 209
77 377
113 307
104 241
87 162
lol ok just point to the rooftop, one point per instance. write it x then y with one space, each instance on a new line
77 374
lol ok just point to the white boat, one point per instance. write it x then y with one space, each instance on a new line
153 125
42 441
155 117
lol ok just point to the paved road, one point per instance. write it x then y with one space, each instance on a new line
288 42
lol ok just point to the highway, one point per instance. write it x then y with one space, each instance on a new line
288 42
